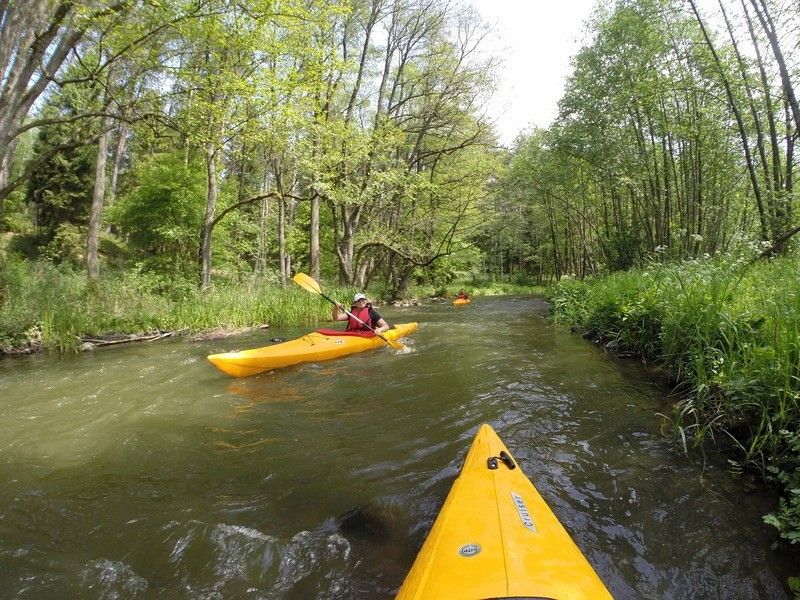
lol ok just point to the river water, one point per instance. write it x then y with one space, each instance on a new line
141 471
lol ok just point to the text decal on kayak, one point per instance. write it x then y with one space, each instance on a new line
522 511
469 550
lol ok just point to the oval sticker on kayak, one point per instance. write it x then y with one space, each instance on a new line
469 550
522 511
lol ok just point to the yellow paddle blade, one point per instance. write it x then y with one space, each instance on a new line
393 343
307 283
397 345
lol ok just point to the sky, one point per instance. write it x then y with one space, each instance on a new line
536 40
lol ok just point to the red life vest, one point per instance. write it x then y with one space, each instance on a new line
363 314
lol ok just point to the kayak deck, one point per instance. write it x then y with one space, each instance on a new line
461 301
495 537
311 347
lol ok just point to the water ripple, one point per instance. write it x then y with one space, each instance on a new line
143 472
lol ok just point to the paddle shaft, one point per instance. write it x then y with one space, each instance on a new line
349 314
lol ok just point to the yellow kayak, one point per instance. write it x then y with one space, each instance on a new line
460 301
312 347
495 537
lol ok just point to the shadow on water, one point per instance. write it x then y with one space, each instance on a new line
142 472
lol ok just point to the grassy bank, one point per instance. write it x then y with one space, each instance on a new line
52 307
480 287
728 331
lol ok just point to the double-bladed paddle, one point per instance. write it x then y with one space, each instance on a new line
310 284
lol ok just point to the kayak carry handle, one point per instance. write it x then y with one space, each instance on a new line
491 462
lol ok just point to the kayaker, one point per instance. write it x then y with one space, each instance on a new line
364 311
462 295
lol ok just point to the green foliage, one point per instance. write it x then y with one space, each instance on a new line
41 304
794 586
729 331
60 188
570 302
266 93
15 217
622 251
786 472
52 306
161 214
68 244
645 158
462 266
474 287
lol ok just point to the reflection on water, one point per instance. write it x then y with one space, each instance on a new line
259 390
143 472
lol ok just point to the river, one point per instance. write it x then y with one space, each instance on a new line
141 471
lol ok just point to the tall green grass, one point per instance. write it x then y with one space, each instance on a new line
52 306
728 331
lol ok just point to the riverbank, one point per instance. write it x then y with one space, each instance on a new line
728 333
46 307
49 308
475 288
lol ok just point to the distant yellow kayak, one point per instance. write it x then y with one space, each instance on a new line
495 537
312 347
460 301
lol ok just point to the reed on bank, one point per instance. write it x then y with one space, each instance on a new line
728 331
52 307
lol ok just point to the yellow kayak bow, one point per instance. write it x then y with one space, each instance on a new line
495 537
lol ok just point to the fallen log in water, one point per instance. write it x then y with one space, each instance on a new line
88 343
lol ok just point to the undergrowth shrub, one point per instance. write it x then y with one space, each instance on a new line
728 331
54 305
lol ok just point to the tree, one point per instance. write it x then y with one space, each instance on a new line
60 190
241 62
656 129
382 142
162 212
36 39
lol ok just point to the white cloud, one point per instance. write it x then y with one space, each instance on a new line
536 40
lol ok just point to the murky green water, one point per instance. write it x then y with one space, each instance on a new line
143 472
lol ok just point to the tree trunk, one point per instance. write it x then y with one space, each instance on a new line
754 113
92 266
767 25
212 192
361 274
5 169
314 257
36 40
345 249
116 166
263 218
282 238
261 257
739 122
